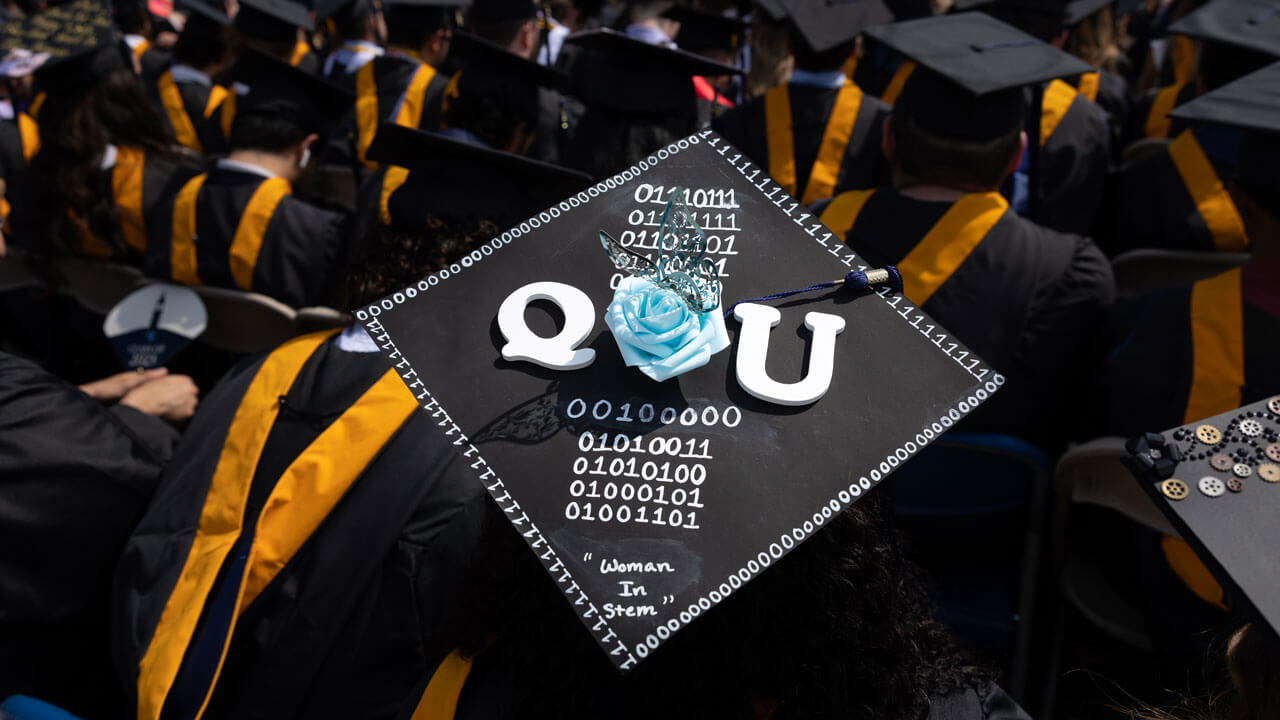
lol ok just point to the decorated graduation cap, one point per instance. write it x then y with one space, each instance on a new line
702 31
824 25
1218 483
629 75
272 20
153 323
1252 24
83 47
972 73
450 177
276 87
666 444
1253 104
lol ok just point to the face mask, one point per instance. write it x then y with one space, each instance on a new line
306 158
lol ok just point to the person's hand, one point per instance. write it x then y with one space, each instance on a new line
171 398
111 389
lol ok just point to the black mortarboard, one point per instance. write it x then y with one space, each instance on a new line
82 45
1078 10
971 73
1251 103
1253 24
701 30
276 87
824 24
426 3
773 9
1218 482
651 502
327 8
272 20
455 178
477 54
1044 19
203 18
629 75
500 11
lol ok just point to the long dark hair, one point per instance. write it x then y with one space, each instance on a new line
66 185
840 628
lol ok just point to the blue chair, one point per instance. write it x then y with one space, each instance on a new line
21 707
972 507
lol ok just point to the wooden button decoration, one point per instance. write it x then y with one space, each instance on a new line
1269 472
1250 427
1174 489
1221 461
1274 405
1212 486
1235 485
1273 452
1241 470
1209 435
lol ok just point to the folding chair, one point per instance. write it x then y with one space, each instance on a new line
94 284
245 322
312 319
1139 149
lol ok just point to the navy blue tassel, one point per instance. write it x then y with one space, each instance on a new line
887 276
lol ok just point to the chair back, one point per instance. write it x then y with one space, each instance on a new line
94 284
1149 270
16 274
1139 149
245 322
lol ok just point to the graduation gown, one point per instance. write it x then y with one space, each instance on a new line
396 88
301 552
1068 173
1173 199
1150 114
815 142
238 229
188 108
1110 92
75 477
1021 297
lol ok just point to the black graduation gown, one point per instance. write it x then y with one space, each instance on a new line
862 164
390 78
352 619
1173 199
1075 152
1024 299
1156 354
1110 91
74 479
1149 116
191 114
300 247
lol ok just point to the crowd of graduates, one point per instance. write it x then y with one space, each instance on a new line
1001 154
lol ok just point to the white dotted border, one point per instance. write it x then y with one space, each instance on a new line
622 657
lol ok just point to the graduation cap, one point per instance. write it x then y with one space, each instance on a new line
773 9
1252 24
276 87
972 72
650 502
701 30
1078 10
451 177
82 45
1218 483
629 75
203 18
153 323
825 24
479 55
500 11
272 20
1251 103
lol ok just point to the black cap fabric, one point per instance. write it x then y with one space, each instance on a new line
773 9
500 11
276 87
1044 19
273 20
427 3
1251 103
476 54
628 75
700 485
83 47
1078 10
702 31
1253 24
824 24
450 177
202 17
1218 483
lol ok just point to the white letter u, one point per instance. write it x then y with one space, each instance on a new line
753 346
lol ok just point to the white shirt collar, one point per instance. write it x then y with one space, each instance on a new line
239 166
826 79
134 41
353 55
649 34
356 339
187 74
108 157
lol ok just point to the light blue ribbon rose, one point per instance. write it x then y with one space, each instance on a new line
658 333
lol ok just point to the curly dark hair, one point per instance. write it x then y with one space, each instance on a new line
840 628
389 257
67 186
